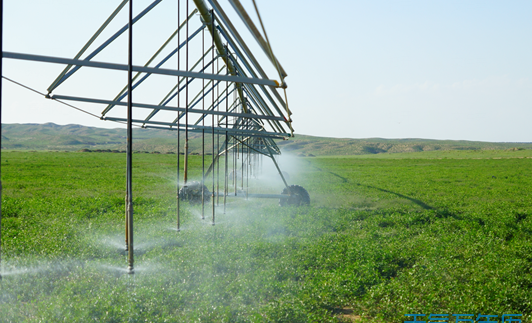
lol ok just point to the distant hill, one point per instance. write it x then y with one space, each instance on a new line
50 136
322 146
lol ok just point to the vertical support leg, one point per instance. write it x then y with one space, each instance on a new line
130 145
242 166
257 165
178 207
203 175
235 157
126 219
178 122
186 105
226 184
203 130
1 61
248 168
213 193
217 169
217 149
213 202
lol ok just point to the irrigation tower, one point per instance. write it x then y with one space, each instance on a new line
209 83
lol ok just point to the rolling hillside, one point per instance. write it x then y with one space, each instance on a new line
50 136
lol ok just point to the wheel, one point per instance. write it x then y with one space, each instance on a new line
298 196
192 193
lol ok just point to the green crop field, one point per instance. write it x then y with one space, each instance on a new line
442 232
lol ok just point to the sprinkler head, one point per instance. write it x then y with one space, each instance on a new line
130 270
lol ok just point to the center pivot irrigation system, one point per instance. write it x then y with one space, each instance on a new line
215 86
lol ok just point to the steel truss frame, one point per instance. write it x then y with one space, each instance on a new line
236 100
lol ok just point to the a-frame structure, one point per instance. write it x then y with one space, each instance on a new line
213 85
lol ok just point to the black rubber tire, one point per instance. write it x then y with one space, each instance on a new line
298 196
192 193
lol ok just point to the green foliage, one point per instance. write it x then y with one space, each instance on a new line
382 237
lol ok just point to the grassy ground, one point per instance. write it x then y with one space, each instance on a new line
383 237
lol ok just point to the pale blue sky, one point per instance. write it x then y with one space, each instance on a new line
357 69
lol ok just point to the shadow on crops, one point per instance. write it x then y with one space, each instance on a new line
418 202
340 177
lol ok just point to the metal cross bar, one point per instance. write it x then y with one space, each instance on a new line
109 41
208 17
256 93
169 108
233 130
255 32
136 68
93 38
169 97
216 132
236 35
250 69
124 90
161 63
197 100
274 124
